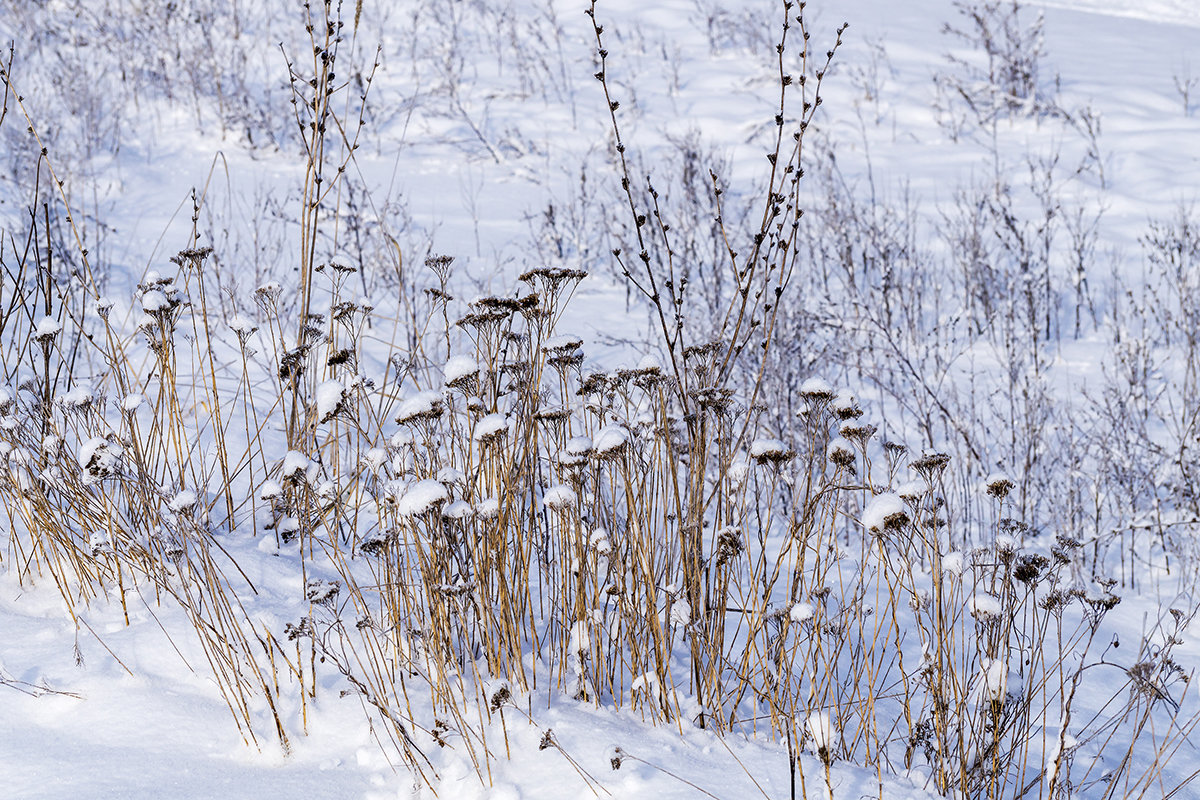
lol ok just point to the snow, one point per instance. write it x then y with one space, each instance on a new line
581 638
649 683
649 363
740 469
993 679
681 612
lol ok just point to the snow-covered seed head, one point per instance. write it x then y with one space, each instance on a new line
184 502
331 400
458 511
841 453
78 399
99 459
321 592
610 443
598 541
845 407
771 451
423 406
421 498
559 498
816 391
729 544
931 465
461 373
46 330
985 607
565 344
998 485
491 429
488 508
912 491
132 402
374 459
451 477
295 468
802 612
575 452
551 414
885 512
819 726
857 432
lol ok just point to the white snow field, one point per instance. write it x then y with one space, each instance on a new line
246 560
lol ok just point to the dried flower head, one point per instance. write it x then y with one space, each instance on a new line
931 465
771 451
841 453
1029 568
998 485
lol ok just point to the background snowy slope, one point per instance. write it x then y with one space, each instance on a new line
484 142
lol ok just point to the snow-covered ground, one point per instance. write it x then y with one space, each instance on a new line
487 140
